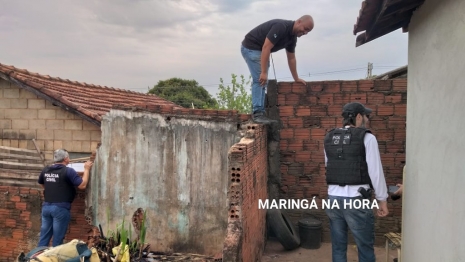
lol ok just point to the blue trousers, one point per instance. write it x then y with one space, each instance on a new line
55 221
253 60
361 224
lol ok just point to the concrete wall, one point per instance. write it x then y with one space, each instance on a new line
24 116
309 112
175 168
434 184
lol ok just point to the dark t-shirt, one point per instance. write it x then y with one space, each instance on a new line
278 31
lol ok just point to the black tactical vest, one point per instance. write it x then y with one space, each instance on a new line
57 187
345 150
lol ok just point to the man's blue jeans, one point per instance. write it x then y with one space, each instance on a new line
55 222
361 224
253 60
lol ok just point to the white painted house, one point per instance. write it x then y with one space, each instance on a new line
433 226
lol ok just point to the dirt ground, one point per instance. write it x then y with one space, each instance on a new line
275 252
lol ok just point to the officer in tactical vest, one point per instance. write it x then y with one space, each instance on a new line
59 182
353 172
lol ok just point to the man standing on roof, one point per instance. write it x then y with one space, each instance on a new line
353 168
256 48
59 184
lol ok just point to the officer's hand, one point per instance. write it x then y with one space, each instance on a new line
399 191
263 79
300 80
88 165
383 209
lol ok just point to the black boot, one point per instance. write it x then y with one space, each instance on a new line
260 118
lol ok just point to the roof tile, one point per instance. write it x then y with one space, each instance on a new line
90 100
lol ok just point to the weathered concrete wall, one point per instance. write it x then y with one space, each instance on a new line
433 212
175 168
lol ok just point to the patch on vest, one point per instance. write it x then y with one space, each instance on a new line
336 140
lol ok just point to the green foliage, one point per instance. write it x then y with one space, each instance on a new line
184 93
235 96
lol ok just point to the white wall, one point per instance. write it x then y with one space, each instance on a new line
433 204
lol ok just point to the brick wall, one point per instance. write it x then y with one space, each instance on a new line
24 116
245 239
308 112
20 212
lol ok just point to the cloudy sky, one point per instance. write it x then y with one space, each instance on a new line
133 44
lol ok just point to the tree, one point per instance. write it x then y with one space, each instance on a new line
235 97
184 93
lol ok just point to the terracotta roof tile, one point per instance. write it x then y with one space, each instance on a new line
86 99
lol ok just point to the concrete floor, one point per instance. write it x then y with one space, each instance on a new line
275 252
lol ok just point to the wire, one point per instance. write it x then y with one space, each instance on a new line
309 75
273 67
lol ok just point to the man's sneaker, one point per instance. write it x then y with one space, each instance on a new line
262 119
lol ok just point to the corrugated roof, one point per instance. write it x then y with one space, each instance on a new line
380 17
87 100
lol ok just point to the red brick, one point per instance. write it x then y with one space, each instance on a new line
366 85
399 85
393 98
316 87
359 97
299 88
328 122
326 99
395 146
396 122
311 167
385 110
311 121
285 111
295 122
388 159
15 199
319 111
292 99
284 88
10 222
332 87
375 98
311 145
399 135
302 133
302 156
341 99
335 110
384 135
21 206
281 99
383 85
349 86
295 145
287 134
318 134
400 110
302 111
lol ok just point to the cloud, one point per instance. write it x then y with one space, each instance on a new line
135 43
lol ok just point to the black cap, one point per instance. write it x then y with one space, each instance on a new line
354 108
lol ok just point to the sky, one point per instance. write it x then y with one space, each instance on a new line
133 44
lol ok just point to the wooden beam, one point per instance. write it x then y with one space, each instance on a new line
18 149
19 157
21 164
38 151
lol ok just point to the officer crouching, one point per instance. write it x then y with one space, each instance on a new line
354 171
